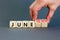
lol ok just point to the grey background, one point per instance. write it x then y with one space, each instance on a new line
19 10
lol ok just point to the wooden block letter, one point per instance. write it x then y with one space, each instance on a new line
44 23
19 24
12 24
38 23
25 23
31 24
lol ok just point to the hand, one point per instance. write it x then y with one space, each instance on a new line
38 4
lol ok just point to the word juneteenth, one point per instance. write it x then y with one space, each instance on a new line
27 24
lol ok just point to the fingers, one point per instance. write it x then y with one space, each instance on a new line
34 8
34 16
31 11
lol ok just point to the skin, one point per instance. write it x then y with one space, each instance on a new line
52 5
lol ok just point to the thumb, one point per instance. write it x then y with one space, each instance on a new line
51 13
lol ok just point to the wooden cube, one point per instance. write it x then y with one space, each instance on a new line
19 24
12 24
44 23
25 24
38 23
31 24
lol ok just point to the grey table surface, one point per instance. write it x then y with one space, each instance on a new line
7 33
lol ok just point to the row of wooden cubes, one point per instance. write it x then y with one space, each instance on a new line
28 24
